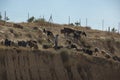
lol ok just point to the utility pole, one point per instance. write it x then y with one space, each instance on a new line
103 25
80 21
43 17
28 18
119 27
40 17
51 19
0 16
86 22
69 20
28 15
108 29
5 18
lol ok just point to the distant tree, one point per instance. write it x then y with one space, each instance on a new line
108 29
113 30
40 20
31 19
7 18
77 23
71 24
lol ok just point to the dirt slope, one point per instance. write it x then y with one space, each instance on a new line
43 65
18 63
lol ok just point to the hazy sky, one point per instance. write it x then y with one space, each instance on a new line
93 10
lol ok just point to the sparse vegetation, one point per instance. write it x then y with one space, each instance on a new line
77 23
7 18
66 63
64 55
31 19
42 20
114 30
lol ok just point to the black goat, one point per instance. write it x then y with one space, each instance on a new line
87 51
7 42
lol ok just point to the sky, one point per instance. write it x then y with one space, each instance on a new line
94 10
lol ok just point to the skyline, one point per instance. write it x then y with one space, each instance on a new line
94 10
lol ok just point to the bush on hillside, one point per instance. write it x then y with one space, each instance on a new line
40 20
64 55
31 19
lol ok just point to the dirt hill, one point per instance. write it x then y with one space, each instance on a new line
25 63
60 65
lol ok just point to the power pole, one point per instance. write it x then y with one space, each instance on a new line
86 22
43 17
119 27
0 16
103 25
5 16
108 29
68 19
80 21
28 18
28 15
40 17
51 19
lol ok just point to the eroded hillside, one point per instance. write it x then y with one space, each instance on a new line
95 56
61 65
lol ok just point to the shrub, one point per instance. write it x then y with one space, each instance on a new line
87 27
31 19
110 44
64 55
40 20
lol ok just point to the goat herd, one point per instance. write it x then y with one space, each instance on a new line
33 44
76 34
22 43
